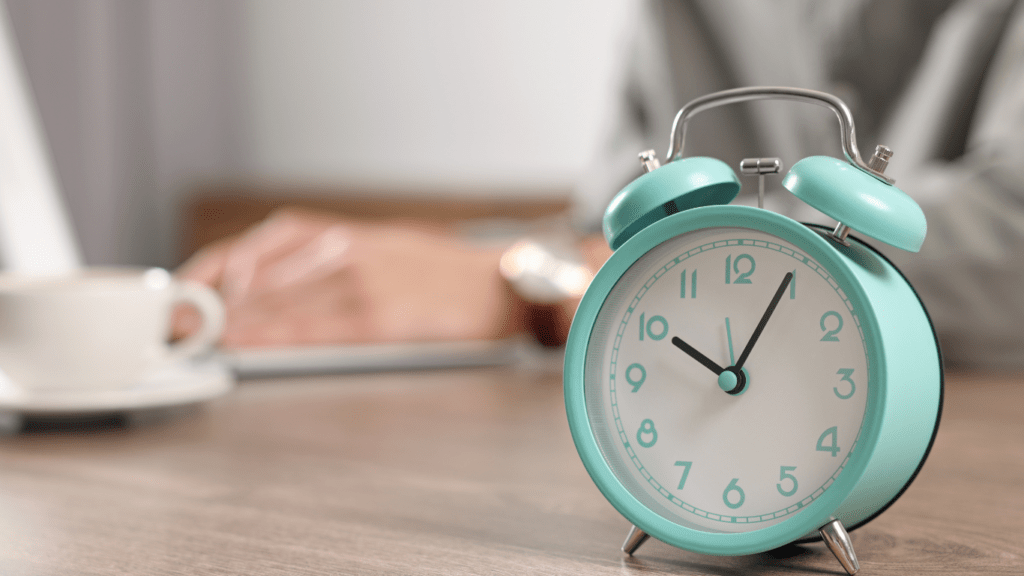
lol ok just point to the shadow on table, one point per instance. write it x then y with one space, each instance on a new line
85 424
792 558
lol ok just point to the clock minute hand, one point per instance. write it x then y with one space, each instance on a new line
704 360
764 319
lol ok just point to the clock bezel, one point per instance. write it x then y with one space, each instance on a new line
815 514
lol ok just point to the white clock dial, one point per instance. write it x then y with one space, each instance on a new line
674 438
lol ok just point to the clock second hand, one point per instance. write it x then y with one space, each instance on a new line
728 334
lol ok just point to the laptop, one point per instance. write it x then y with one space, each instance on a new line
35 233
299 360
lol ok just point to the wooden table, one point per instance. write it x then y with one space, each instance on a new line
446 472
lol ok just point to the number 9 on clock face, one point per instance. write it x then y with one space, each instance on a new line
676 430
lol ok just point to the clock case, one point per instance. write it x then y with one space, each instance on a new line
904 400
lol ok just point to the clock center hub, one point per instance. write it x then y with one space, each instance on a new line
733 381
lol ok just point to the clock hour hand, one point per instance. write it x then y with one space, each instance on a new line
764 319
693 353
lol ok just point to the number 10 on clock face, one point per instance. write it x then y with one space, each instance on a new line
729 373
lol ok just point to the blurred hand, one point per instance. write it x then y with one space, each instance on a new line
307 278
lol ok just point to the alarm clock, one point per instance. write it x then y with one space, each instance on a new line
735 380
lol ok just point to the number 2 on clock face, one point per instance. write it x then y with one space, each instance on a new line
712 459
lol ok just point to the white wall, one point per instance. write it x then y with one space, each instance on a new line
409 93
142 99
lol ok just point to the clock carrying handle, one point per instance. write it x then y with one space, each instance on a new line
737 95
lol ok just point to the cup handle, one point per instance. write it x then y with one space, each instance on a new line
210 307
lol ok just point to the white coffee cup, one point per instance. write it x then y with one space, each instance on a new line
98 329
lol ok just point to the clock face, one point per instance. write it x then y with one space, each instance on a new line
670 432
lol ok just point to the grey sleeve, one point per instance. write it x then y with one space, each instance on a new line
671 59
970 271
637 113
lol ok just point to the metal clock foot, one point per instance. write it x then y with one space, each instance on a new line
838 541
634 540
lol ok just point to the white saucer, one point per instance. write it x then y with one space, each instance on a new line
177 384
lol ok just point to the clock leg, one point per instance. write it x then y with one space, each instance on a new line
838 541
634 540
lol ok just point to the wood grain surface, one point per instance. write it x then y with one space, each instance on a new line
444 472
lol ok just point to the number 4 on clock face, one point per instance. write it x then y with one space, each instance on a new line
832 446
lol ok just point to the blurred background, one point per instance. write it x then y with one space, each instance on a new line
149 106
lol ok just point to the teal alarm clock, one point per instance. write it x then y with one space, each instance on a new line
735 380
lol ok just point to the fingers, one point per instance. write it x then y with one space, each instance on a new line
328 311
322 256
595 252
301 278
289 248
207 265
276 237
184 321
